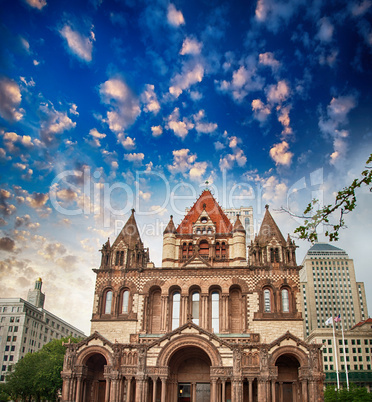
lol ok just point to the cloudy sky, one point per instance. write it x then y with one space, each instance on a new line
109 105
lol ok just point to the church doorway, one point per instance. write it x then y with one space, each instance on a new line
287 386
190 368
95 383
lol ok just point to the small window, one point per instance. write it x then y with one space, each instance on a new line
108 302
267 300
176 310
125 306
195 298
285 301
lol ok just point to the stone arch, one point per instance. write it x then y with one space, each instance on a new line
151 284
86 353
241 283
301 356
187 341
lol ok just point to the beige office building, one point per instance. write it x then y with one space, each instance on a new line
329 288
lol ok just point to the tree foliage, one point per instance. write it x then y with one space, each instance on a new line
38 375
344 203
354 394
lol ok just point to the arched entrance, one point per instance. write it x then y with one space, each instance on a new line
287 386
95 383
190 368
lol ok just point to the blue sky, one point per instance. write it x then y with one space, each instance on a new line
110 105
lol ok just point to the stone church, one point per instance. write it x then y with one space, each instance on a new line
205 326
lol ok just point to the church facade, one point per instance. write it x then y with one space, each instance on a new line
205 326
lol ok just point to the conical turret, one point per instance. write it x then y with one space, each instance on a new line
169 244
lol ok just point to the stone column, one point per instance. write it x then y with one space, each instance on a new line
154 384
164 314
223 390
250 390
304 390
78 390
225 313
163 389
129 389
280 391
203 311
273 396
107 390
139 389
213 389
183 310
194 391
66 387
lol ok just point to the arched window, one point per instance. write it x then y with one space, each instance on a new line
117 258
218 250
223 250
215 312
121 257
285 301
190 250
235 301
108 302
176 303
195 299
155 311
204 249
276 254
267 301
271 255
184 250
125 305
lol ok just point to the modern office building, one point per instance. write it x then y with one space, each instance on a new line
355 354
246 218
329 288
25 327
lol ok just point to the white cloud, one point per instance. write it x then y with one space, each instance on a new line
124 105
10 99
219 146
280 154
81 46
268 59
261 111
156 131
149 99
274 191
359 9
179 127
337 117
278 93
276 12
326 30
203 126
185 163
136 158
284 119
175 17
145 195
127 142
39 4
190 75
54 123
227 162
94 133
14 142
191 46
244 80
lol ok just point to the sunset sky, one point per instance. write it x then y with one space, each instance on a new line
111 105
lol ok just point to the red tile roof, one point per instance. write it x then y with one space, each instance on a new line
206 201
360 323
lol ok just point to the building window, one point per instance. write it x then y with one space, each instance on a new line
125 305
195 299
267 301
176 303
108 302
204 249
215 312
285 301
